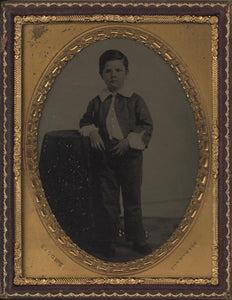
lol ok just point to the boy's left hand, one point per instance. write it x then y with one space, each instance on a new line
121 148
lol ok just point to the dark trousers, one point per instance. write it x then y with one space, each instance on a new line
113 172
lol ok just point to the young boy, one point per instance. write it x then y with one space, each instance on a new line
119 126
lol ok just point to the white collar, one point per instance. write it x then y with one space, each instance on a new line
124 91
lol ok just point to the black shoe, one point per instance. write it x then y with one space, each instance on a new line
142 248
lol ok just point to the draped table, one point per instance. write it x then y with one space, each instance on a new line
68 182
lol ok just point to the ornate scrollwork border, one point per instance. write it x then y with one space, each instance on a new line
206 144
113 4
4 157
228 156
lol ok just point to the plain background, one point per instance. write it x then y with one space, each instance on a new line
171 160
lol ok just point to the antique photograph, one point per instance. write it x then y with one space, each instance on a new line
112 157
115 158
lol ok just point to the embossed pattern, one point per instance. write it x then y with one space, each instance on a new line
45 84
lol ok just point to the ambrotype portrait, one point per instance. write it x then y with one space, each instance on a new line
115 180
119 157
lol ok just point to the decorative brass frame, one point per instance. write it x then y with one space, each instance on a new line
36 109
30 142
43 87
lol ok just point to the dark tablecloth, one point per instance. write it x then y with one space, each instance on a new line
67 179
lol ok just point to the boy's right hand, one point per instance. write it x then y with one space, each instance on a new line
96 141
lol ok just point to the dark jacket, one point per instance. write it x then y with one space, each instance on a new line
132 114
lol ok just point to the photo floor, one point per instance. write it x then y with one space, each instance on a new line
158 230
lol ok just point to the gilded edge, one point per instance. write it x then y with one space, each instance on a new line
18 248
22 20
214 156
31 157
17 149
168 56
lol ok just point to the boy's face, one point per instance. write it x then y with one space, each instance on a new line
114 74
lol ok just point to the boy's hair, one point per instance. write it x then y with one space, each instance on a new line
112 55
